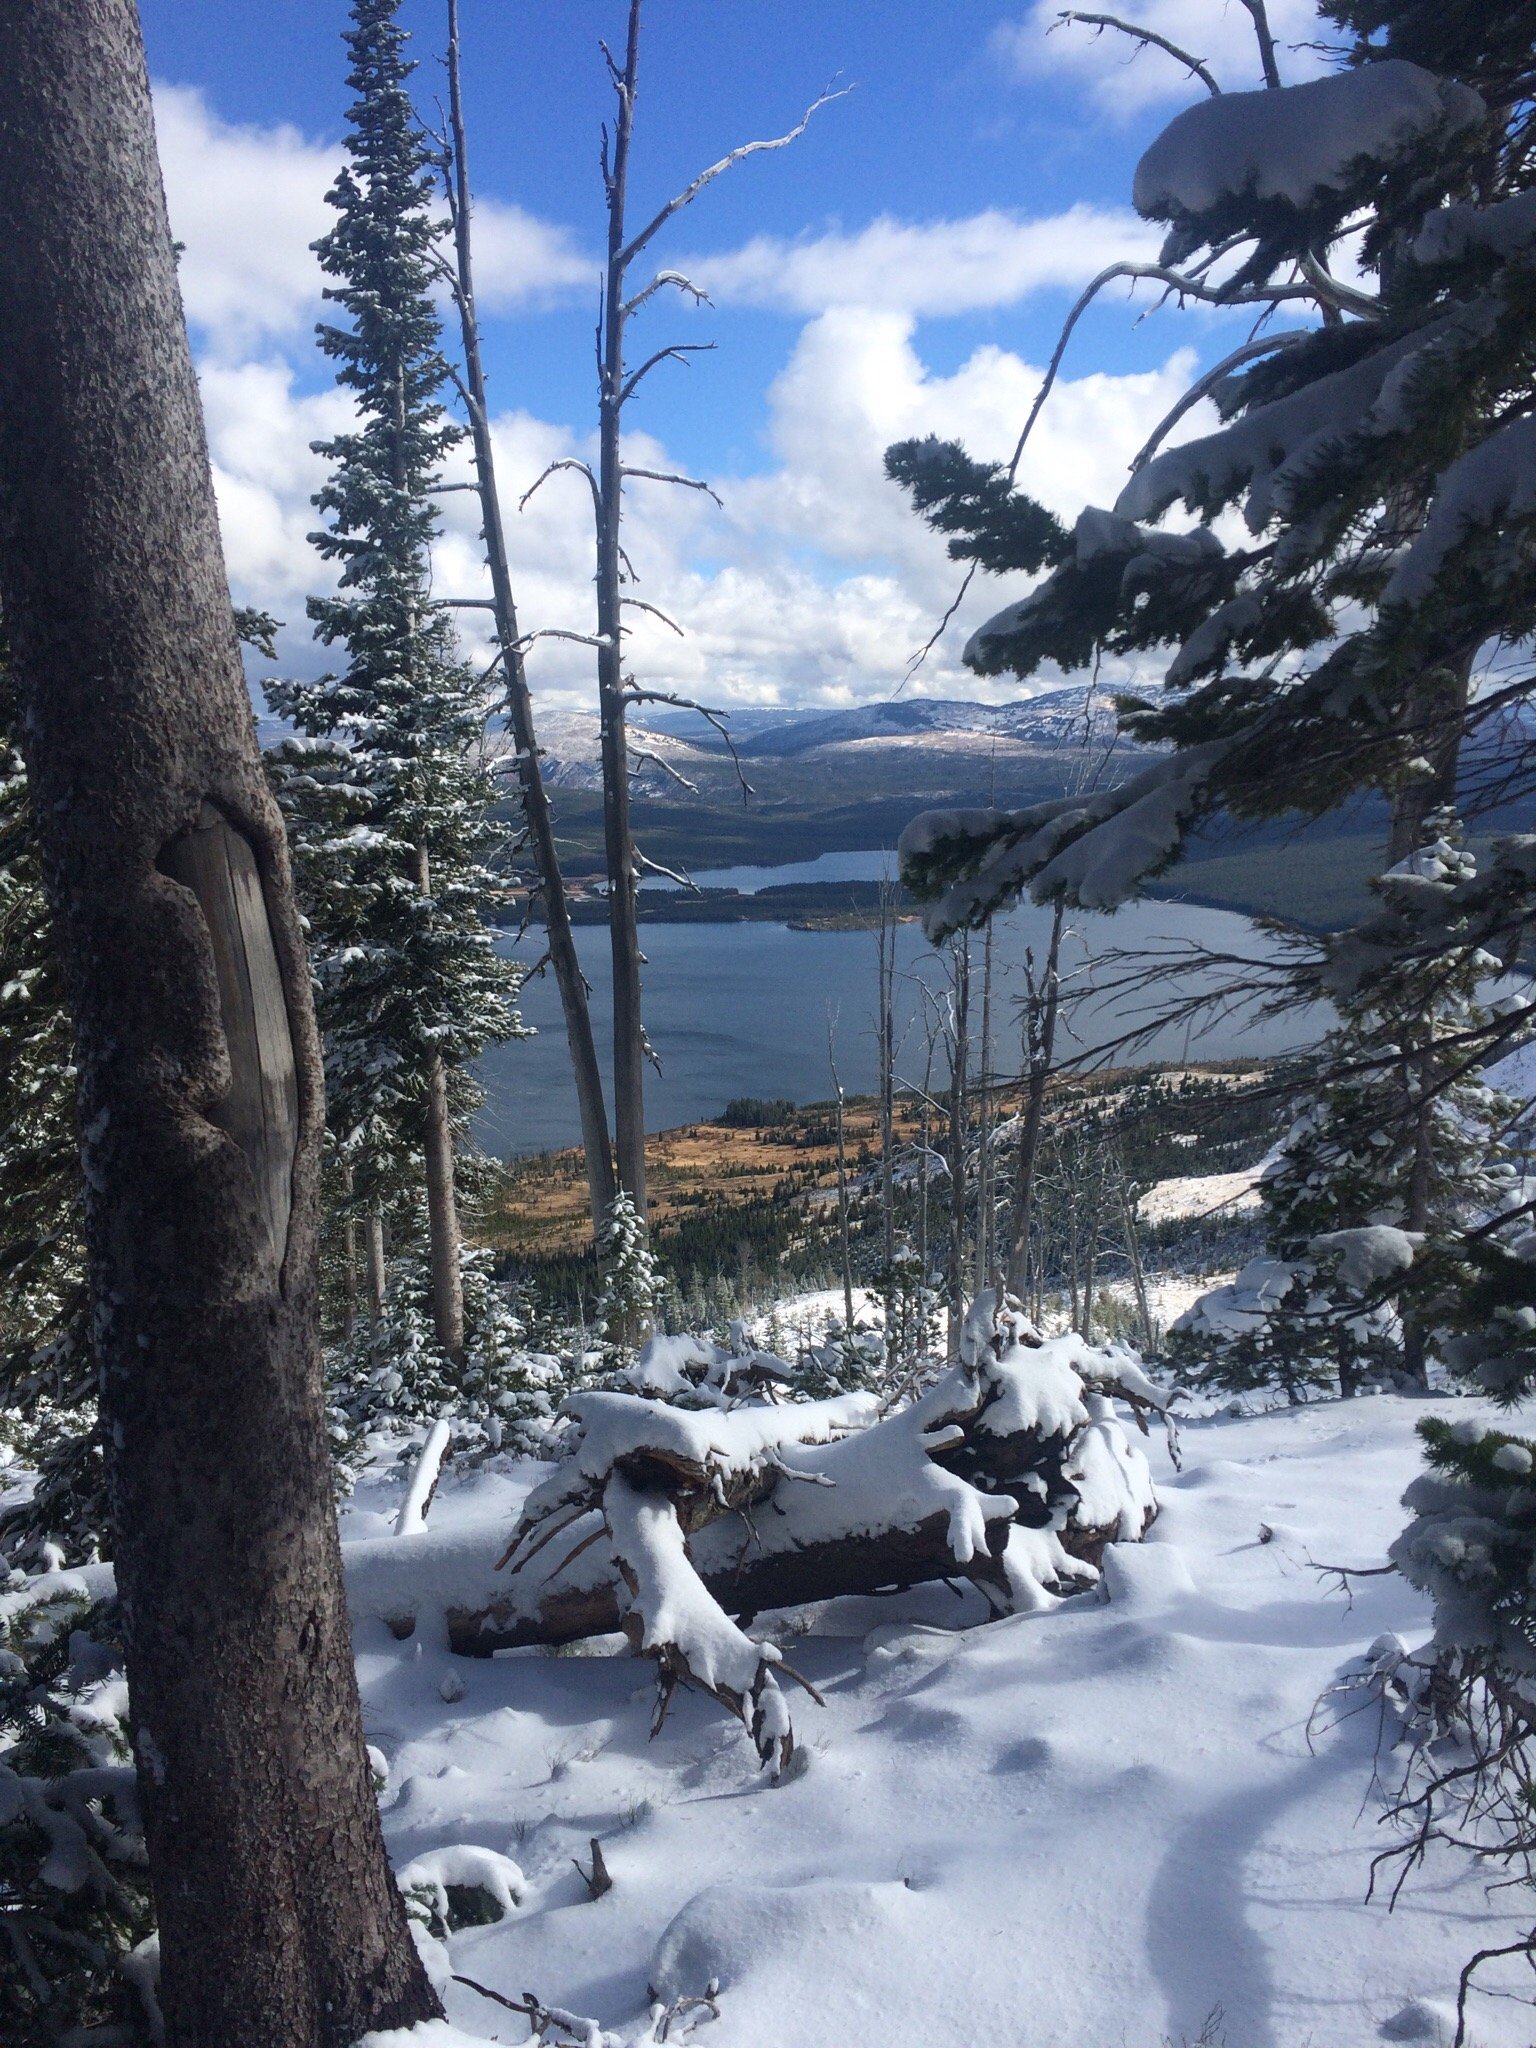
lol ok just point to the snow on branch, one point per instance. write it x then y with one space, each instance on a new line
1506 229
1487 495
1092 851
671 1617
667 476
1298 142
1272 451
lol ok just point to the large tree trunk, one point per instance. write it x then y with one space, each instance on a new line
200 1092
958 1118
585 1069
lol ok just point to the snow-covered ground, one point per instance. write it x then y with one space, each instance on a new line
1201 1194
1100 1826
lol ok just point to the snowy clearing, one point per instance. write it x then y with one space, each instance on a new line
1201 1194
1096 1825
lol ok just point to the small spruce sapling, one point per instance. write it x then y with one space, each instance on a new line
627 1305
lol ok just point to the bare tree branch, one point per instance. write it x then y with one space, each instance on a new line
720 720
1343 297
639 604
1203 387
656 867
666 767
560 633
679 351
689 483
691 192
1266 41
658 283
1144 36
565 462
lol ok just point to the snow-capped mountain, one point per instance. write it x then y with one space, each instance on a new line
1053 719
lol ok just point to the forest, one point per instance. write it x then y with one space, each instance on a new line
1031 1538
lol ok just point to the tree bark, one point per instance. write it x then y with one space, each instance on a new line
844 1239
886 1027
1040 1045
443 1217
199 1080
377 1278
741 1580
561 940
443 1240
618 838
349 1260
958 1119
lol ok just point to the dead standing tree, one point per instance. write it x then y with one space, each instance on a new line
550 883
1040 1008
199 1077
617 692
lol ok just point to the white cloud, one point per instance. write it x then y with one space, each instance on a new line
1122 78
954 266
264 475
816 583
247 202
522 261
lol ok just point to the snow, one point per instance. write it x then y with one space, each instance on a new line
1504 230
426 2034
1296 143
1492 485
1243 1303
1275 447
413 1509
475 1869
1369 1255
1093 1822
1094 849
615 1426
1201 1194
669 1597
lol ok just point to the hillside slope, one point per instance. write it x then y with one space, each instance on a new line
1108 1824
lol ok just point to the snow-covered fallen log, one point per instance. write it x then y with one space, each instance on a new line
678 1526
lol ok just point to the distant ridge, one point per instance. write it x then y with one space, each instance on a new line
1055 718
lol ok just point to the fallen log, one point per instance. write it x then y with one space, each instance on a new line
1010 1473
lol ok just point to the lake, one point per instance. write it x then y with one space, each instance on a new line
743 1009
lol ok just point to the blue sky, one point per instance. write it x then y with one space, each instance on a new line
903 268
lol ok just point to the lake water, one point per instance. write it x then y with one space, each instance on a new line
742 1009
827 867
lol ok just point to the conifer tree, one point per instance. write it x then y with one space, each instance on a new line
626 1308
1374 437
387 799
1402 1132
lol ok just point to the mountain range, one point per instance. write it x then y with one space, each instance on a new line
923 746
